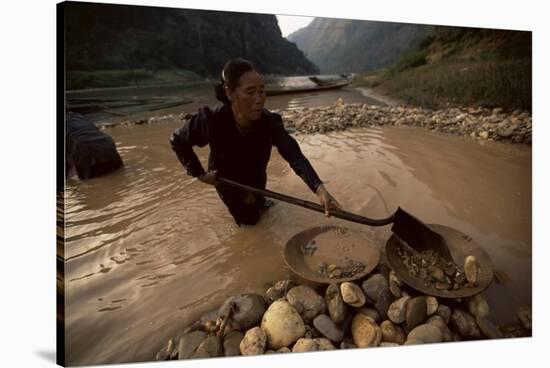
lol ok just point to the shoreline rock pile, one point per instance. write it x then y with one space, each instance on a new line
378 310
478 123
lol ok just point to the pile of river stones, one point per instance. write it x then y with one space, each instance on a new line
479 123
439 273
378 310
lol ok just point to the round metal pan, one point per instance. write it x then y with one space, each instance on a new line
460 246
333 245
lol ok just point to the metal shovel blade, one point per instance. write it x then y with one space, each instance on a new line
417 235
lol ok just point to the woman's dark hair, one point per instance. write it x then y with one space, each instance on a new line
231 74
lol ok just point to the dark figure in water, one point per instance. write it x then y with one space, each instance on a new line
88 150
240 134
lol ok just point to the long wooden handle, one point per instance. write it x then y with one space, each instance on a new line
310 205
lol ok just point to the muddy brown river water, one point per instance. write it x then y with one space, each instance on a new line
149 249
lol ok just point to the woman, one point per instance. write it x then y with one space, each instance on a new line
240 135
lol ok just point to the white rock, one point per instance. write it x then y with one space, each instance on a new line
352 294
282 325
254 342
471 269
397 309
365 332
432 304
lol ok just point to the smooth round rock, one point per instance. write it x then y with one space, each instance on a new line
365 332
395 289
415 313
478 306
465 324
248 310
374 284
282 325
254 342
303 345
488 328
232 343
189 343
424 334
432 305
335 304
397 309
445 312
439 322
383 302
352 294
392 333
471 269
328 328
307 302
372 313
283 350
209 348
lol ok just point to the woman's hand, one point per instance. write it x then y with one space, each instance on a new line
327 200
208 177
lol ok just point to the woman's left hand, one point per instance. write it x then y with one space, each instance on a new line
326 200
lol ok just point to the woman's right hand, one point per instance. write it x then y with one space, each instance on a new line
327 200
208 177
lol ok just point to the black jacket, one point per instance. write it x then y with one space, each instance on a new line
92 152
236 157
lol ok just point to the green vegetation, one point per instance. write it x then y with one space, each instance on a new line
355 46
461 67
409 60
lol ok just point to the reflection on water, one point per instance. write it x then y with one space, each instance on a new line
203 94
150 249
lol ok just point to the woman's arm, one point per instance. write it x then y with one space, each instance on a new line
290 150
194 132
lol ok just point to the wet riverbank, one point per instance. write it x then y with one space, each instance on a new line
478 123
149 250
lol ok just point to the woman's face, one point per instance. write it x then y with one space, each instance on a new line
248 99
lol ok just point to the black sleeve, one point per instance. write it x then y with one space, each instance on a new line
195 132
289 149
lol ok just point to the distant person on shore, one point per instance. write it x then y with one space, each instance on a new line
88 151
240 134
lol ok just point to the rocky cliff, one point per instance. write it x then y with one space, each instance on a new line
343 46
122 37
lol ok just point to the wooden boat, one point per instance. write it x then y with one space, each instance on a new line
319 86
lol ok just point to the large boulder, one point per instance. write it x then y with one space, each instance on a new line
282 325
247 310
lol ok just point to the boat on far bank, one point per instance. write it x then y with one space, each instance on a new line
312 84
